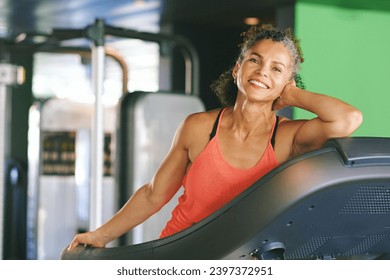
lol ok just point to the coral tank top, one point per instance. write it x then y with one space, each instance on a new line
211 183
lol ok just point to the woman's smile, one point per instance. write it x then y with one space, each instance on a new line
258 83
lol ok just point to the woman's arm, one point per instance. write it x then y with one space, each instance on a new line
335 118
148 199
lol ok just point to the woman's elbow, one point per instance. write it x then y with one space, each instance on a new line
352 121
153 201
157 200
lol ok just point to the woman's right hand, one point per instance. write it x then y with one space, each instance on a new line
91 238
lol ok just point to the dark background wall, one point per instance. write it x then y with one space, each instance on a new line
217 49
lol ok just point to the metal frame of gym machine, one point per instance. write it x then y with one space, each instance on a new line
96 33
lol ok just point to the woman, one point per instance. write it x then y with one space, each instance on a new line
216 155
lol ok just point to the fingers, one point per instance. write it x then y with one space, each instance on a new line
88 239
284 99
77 240
73 244
278 103
294 83
291 84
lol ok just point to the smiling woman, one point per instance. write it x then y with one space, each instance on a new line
216 155
266 66
224 88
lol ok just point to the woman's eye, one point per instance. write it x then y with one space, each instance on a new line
254 60
277 69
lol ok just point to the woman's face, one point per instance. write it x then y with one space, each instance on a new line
264 71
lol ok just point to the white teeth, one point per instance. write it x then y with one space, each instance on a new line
260 84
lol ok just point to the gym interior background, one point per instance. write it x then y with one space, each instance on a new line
345 45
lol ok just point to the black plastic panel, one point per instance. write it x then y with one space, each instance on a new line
363 150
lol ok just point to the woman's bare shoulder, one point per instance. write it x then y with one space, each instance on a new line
196 130
202 119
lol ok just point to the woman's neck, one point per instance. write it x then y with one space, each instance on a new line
251 119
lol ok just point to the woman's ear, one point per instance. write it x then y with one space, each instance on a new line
235 71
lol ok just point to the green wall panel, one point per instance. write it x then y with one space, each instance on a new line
347 55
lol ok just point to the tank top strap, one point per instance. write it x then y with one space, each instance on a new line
274 132
216 123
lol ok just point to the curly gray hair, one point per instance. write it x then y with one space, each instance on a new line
224 87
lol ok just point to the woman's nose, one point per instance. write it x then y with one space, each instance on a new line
262 71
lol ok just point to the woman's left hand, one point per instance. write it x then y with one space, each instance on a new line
282 101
